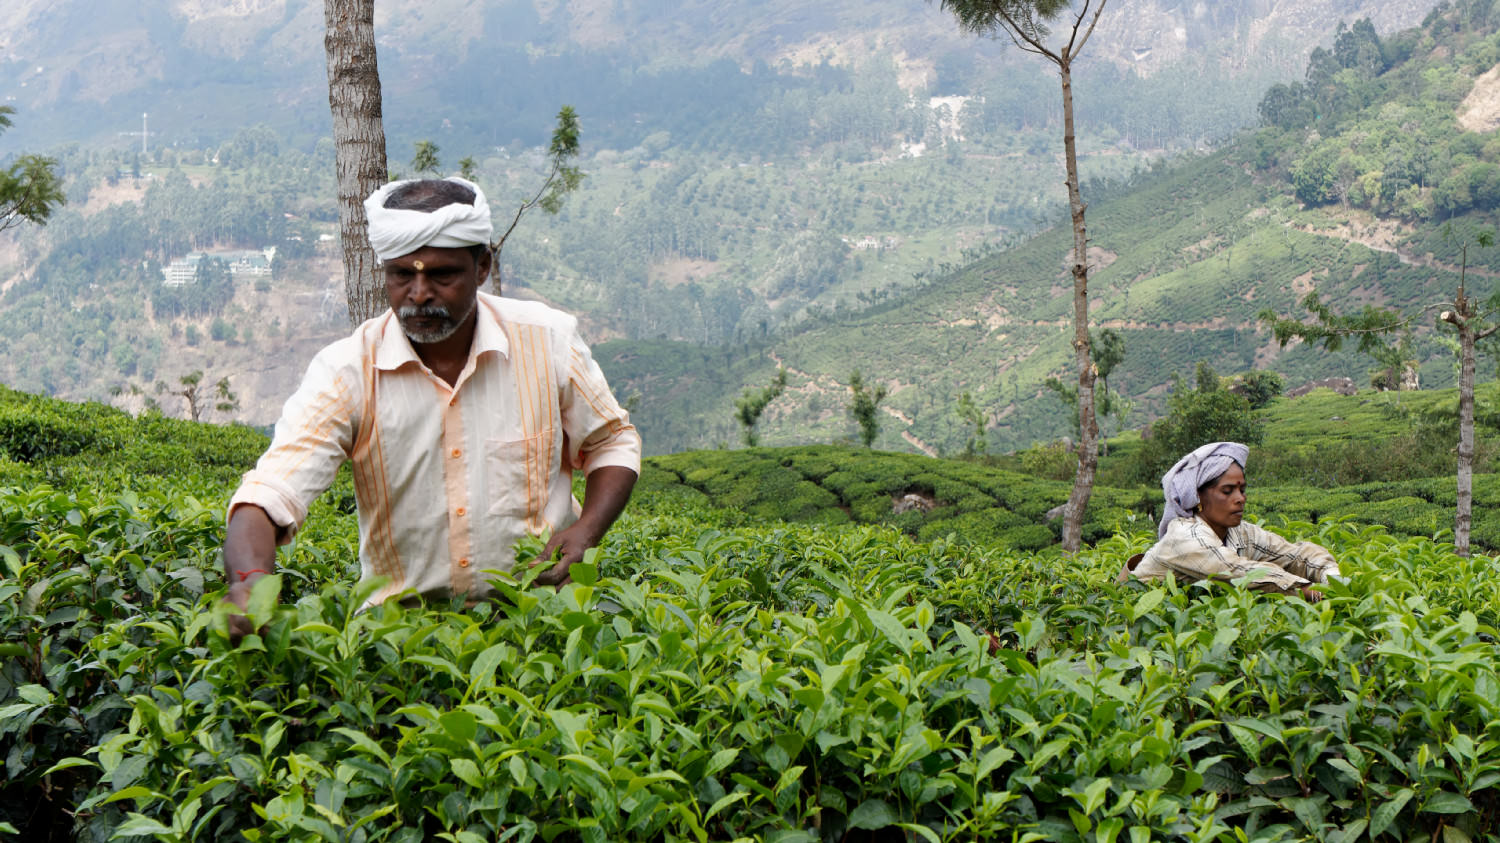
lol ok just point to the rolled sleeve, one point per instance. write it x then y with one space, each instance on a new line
313 438
598 429
1191 550
1306 560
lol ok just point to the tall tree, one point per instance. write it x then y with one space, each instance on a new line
973 418
358 143
1026 22
426 158
563 177
1473 318
751 404
863 404
30 189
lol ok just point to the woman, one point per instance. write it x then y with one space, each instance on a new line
1201 535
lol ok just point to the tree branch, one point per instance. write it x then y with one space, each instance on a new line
526 206
1074 51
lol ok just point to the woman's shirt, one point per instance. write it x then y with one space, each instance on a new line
1192 551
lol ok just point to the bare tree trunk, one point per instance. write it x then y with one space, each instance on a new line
358 142
1464 519
1088 425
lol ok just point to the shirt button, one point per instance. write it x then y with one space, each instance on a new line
461 512
463 563
457 453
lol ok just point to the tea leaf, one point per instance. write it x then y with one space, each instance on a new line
12 560
872 814
138 825
264 595
725 801
1385 813
1147 603
1454 834
1447 802
67 763
468 772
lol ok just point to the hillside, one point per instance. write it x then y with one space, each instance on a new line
1352 203
767 214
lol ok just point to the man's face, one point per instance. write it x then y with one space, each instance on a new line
434 290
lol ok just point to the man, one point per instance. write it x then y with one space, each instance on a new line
463 414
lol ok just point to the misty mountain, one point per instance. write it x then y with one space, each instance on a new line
480 71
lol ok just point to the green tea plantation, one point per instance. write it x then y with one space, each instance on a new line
717 672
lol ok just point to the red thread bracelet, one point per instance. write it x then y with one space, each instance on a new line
245 575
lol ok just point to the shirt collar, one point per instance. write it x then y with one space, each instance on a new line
395 350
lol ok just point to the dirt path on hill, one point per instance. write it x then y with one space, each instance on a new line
813 386
1385 236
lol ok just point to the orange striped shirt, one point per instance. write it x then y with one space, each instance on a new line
447 478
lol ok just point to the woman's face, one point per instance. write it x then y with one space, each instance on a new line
1221 504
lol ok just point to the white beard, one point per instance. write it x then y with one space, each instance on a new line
443 331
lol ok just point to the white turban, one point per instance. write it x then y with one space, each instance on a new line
1181 484
396 232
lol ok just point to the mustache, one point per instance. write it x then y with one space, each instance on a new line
431 311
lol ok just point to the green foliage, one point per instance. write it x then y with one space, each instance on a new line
1260 388
563 175
1107 350
718 674
1373 125
29 436
749 406
30 188
425 158
1196 417
1053 461
969 412
862 407
705 679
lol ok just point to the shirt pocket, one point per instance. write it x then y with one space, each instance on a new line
519 472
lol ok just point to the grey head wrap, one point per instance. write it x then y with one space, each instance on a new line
1180 485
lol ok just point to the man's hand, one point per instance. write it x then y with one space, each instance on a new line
604 496
249 554
562 550
239 625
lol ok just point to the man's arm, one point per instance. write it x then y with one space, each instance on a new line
249 554
605 494
313 438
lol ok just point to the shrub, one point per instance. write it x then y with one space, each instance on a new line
1196 417
31 435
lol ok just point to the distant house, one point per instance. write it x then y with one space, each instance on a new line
182 271
869 242
250 264
242 264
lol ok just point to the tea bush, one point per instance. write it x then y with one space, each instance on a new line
714 676
777 683
986 504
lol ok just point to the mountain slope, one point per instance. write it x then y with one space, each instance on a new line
1185 261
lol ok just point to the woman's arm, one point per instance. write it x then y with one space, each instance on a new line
1305 559
1192 551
